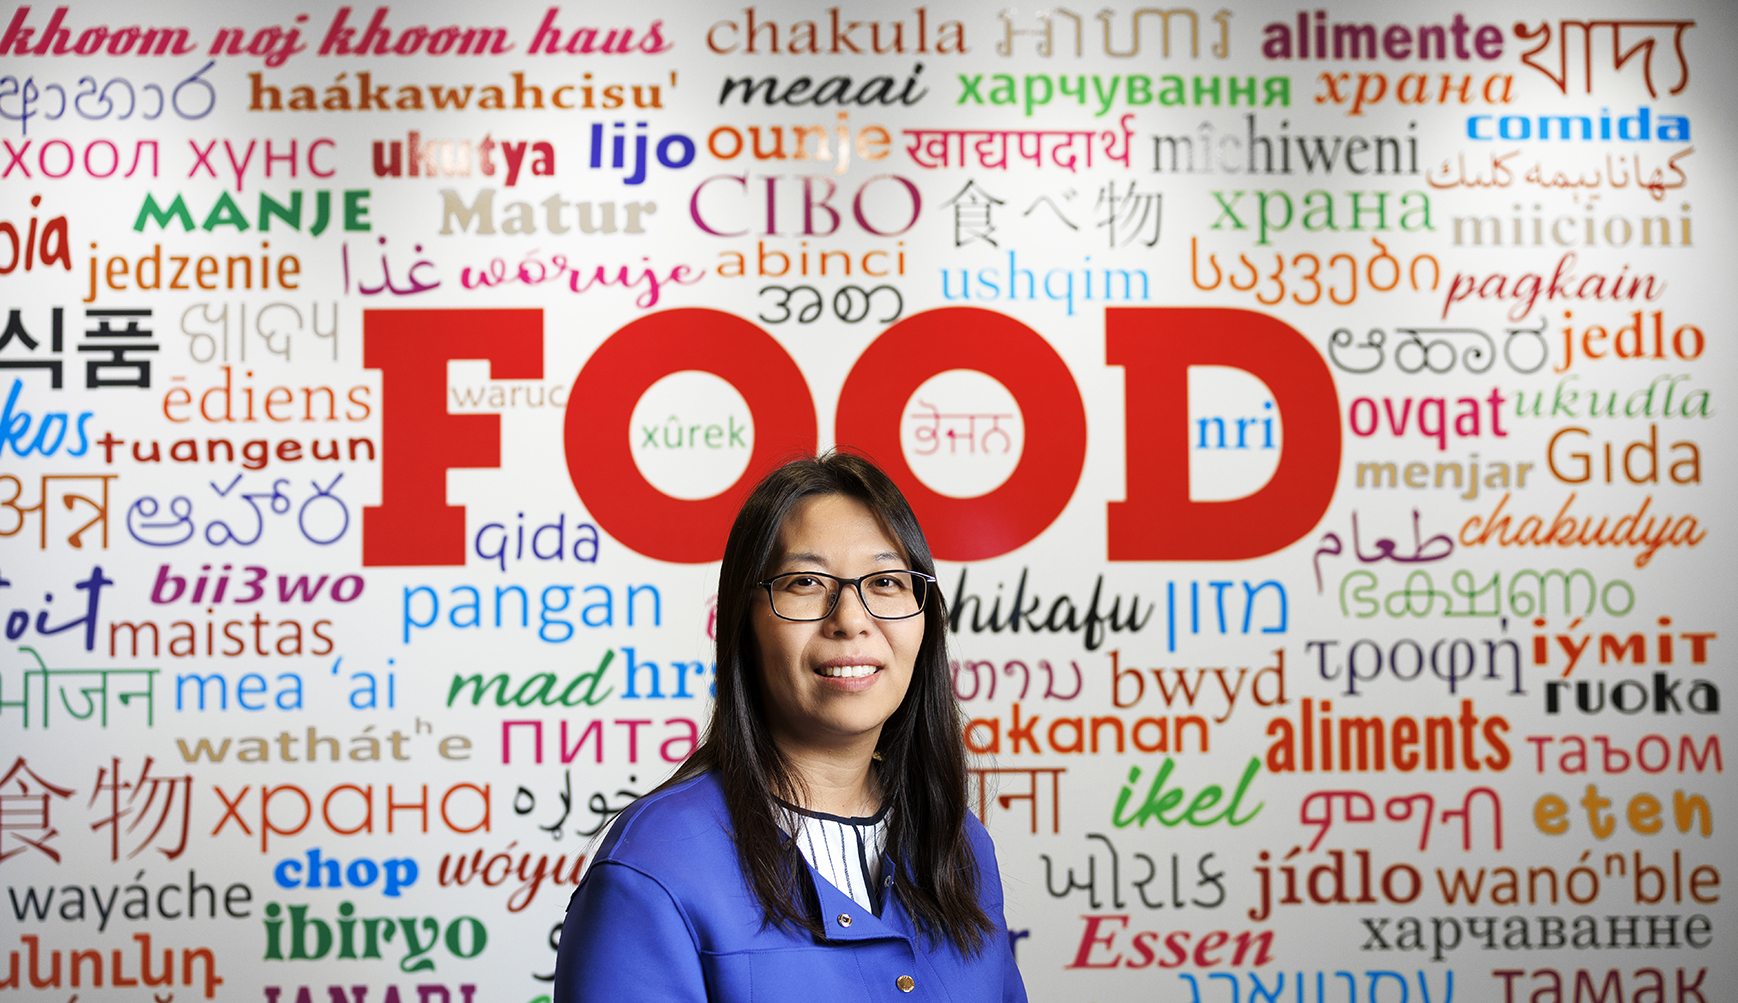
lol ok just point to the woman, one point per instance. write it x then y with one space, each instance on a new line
817 845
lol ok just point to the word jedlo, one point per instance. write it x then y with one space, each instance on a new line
1155 346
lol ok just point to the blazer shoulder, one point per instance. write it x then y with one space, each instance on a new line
687 824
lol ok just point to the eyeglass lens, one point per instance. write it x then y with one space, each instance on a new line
887 594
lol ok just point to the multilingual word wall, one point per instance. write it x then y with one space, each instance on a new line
1320 416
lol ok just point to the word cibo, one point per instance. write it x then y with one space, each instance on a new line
311 939
1155 346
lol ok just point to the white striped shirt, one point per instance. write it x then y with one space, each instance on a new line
846 851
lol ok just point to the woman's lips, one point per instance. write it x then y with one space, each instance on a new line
857 671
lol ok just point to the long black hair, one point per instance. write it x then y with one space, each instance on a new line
922 764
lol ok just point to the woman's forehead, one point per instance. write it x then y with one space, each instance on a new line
828 529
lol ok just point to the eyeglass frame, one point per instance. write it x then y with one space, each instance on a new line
856 584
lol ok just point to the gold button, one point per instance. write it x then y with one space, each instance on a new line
905 983
844 919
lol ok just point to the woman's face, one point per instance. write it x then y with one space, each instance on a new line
813 670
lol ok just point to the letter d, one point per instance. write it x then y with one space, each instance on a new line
1156 346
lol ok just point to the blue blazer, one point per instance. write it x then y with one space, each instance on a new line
665 913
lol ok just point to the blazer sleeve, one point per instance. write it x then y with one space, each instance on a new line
625 939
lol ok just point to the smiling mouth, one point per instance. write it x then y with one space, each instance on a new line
848 671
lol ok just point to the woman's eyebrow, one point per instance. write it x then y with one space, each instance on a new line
805 557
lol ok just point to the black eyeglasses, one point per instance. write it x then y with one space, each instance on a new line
810 595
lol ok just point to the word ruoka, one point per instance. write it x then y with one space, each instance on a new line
89 962
312 940
1046 35
1539 933
1326 983
1630 696
1617 759
942 148
1357 806
1591 985
1214 880
459 798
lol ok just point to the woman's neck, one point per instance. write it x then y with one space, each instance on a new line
836 781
